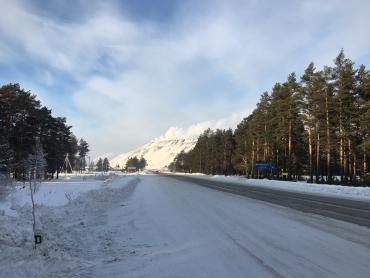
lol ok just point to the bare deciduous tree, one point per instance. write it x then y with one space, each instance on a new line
35 167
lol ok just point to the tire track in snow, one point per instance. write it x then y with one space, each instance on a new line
254 257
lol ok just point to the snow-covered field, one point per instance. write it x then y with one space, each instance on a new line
53 193
352 192
155 226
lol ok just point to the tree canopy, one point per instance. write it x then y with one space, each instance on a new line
23 123
139 164
317 126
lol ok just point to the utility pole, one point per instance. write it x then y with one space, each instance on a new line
67 164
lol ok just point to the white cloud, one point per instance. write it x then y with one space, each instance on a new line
135 79
195 130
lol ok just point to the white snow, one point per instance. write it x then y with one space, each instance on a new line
71 227
53 193
158 153
352 192
155 226
161 151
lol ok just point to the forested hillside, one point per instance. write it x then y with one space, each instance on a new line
27 128
317 125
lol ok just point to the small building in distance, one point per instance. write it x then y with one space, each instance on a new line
131 169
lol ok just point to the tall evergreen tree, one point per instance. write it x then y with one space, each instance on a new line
318 126
83 149
308 108
22 120
142 163
345 98
99 165
363 101
106 165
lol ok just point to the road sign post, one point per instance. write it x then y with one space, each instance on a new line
264 166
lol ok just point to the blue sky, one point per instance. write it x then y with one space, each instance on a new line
123 72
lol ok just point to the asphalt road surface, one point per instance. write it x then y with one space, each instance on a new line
354 211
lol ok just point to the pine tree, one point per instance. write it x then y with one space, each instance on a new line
142 163
6 158
99 165
344 89
363 92
308 104
132 162
83 149
106 165
228 149
22 120
241 155
318 126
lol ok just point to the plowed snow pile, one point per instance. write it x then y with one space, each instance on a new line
351 192
71 215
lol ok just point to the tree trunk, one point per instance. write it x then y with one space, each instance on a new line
341 143
310 153
200 162
354 179
341 160
224 166
364 165
350 170
345 161
33 213
265 146
290 149
277 161
252 160
328 147
317 156
245 160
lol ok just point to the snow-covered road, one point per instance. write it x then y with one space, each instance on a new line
183 230
155 226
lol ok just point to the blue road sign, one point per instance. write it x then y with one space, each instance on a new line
268 166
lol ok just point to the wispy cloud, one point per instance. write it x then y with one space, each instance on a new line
130 79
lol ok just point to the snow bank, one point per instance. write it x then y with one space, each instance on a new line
51 193
351 192
71 233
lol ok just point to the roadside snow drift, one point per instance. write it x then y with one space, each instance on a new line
353 192
70 215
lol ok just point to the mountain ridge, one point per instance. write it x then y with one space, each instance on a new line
159 152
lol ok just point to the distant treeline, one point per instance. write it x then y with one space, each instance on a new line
24 125
138 163
102 165
318 126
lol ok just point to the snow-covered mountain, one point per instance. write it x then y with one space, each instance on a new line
161 151
158 153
